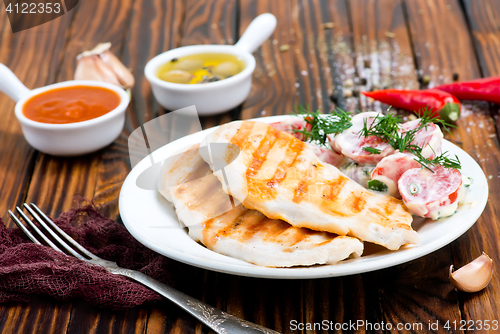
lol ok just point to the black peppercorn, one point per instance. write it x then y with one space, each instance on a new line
334 96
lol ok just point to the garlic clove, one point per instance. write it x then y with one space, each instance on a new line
86 69
97 50
102 65
122 73
92 68
474 276
108 74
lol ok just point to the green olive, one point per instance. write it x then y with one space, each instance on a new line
176 76
226 69
188 64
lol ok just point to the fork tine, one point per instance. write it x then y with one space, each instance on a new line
37 230
23 228
39 213
53 234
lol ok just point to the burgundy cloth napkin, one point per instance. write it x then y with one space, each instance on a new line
27 269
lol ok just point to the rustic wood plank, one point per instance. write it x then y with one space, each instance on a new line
441 41
211 22
154 28
483 17
33 55
323 54
450 50
384 55
200 22
274 84
57 180
331 54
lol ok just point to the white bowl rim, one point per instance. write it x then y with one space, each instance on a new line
124 101
153 64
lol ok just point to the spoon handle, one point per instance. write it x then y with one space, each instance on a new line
11 85
257 32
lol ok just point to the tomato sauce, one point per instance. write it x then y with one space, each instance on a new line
71 104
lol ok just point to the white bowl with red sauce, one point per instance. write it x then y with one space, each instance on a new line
71 138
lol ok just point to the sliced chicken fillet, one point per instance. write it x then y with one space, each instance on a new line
241 233
279 176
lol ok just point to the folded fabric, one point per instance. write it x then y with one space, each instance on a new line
27 269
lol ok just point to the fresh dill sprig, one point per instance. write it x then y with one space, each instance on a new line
427 116
322 125
383 127
372 150
388 128
442 160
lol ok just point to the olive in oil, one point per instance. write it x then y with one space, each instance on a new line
200 68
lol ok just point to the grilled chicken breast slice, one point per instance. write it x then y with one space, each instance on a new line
279 176
238 232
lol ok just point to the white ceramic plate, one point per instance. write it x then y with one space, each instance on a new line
153 222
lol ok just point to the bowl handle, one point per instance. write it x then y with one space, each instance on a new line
11 85
257 32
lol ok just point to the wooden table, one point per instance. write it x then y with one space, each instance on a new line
317 46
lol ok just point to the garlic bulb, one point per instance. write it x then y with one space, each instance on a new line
474 276
101 65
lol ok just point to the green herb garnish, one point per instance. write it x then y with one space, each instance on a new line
377 185
383 126
323 124
441 159
388 128
372 150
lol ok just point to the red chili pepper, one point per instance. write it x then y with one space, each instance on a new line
487 89
442 104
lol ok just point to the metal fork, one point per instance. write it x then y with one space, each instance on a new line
219 321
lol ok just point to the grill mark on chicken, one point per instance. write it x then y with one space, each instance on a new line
293 152
185 157
205 189
301 189
197 174
223 201
242 227
235 229
391 206
242 134
355 203
209 237
296 236
261 153
336 204
274 230
250 222
333 189
384 221
254 222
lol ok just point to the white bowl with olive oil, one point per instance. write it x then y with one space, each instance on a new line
214 78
